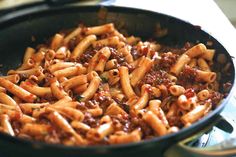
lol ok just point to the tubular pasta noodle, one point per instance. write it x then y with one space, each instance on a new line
176 90
60 65
82 46
203 65
186 103
6 125
61 53
195 114
134 136
125 82
58 120
69 112
196 50
118 34
27 64
125 51
13 112
74 81
113 76
17 90
73 34
203 94
143 100
111 41
15 78
56 41
27 108
81 88
139 72
206 76
57 90
114 109
34 71
36 129
97 134
92 88
95 112
155 123
50 55
193 63
80 126
102 29
208 55
38 58
102 59
27 119
70 71
28 54
3 90
36 90
6 99
178 66
111 64
154 106
132 40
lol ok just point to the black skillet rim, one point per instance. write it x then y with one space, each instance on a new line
4 22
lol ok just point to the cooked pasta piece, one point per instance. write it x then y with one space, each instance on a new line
35 89
140 71
92 88
196 50
17 90
155 123
123 137
125 82
82 46
178 66
176 90
97 134
195 114
6 125
56 41
98 30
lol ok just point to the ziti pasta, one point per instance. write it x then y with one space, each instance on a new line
94 86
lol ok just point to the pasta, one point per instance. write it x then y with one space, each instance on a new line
95 86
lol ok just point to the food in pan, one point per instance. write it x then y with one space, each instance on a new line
94 86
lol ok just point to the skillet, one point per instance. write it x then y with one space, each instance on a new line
16 33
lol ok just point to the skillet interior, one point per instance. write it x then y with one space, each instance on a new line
16 34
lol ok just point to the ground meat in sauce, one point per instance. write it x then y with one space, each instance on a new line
187 75
86 57
215 98
115 55
156 77
91 121
167 60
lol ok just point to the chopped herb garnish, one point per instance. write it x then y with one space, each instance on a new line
104 80
79 97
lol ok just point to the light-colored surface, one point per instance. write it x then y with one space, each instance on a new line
11 3
204 13
228 7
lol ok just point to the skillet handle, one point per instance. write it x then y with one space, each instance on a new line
225 148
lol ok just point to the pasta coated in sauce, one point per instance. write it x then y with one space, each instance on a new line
94 86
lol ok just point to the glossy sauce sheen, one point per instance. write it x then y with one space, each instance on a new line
158 77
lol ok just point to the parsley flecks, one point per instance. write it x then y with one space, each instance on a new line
79 97
105 80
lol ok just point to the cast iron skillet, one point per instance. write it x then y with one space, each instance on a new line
16 34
